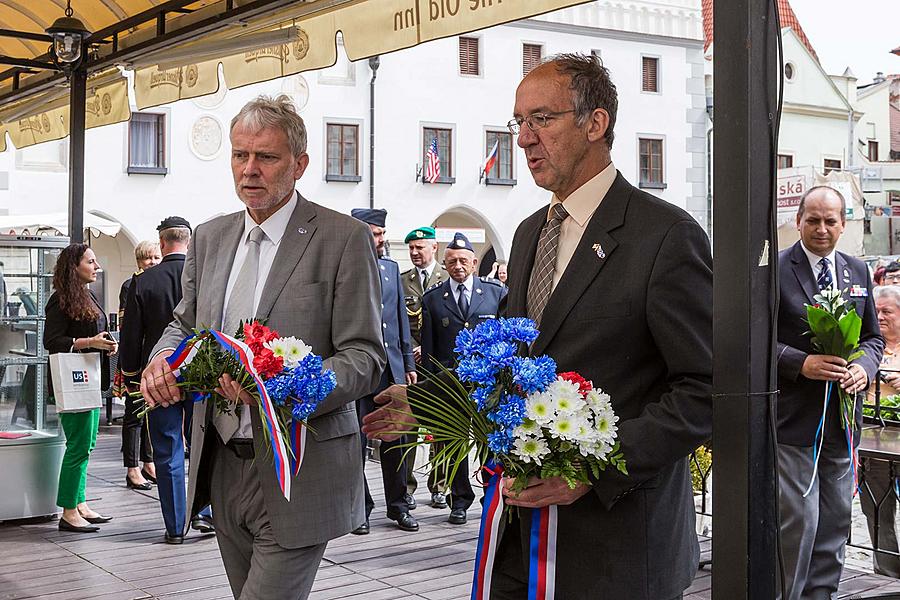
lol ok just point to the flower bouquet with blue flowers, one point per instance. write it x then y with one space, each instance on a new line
517 411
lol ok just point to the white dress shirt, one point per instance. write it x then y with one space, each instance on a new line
468 283
425 273
274 228
816 268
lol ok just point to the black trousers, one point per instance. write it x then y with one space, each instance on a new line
393 464
136 444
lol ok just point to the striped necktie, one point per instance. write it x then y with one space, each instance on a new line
541 283
824 279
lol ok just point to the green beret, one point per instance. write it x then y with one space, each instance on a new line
420 233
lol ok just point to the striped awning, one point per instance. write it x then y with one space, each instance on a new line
176 53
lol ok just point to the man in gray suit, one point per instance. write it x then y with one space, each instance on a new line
308 272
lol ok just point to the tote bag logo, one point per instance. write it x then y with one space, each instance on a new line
80 377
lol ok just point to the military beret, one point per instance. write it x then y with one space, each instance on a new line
372 216
171 222
420 233
460 242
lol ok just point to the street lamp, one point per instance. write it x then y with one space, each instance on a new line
68 35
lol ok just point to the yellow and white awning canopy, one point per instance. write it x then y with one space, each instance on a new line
290 37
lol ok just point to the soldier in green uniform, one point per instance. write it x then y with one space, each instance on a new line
425 273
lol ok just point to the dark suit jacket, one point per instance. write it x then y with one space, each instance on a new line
152 297
442 320
394 323
800 400
633 313
60 330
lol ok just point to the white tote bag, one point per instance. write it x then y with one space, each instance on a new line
76 381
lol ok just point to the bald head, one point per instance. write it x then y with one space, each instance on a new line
820 219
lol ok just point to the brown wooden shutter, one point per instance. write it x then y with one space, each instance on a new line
531 57
649 73
468 56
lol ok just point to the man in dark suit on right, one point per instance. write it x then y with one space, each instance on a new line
621 285
814 528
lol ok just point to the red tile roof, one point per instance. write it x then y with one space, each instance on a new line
785 13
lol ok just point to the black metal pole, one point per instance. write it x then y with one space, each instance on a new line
374 62
77 97
744 506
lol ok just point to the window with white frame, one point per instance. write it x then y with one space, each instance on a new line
501 171
342 152
532 54
831 164
147 143
652 174
469 55
650 74
444 138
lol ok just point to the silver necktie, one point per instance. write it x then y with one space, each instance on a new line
240 308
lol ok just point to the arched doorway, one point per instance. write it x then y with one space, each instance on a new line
481 233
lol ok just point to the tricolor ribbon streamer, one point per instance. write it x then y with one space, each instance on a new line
820 438
542 555
287 462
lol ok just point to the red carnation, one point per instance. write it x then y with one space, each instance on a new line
267 364
584 386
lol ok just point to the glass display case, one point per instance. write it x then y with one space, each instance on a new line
31 443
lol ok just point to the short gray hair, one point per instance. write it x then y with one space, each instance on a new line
888 292
591 88
177 235
277 113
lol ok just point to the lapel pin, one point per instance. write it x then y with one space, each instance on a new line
478 291
301 231
847 275
446 294
600 253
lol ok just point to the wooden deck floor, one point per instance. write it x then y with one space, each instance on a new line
128 560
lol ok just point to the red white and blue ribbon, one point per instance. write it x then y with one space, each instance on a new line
820 438
287 461
542 554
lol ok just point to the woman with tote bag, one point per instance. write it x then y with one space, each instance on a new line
76 323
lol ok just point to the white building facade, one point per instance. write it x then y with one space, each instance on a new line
653 49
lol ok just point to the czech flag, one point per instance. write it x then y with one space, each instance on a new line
489 160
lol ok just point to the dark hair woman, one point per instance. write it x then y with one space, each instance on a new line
76 323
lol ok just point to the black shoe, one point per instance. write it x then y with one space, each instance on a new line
137 486
438 500
174 539
362 529
148 476
410 501
66 526
457 516
98 519
203 524
407 522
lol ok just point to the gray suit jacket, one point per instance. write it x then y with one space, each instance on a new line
323 288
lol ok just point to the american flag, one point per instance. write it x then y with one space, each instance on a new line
432 163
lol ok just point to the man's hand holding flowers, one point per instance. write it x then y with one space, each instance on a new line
543 492
158 383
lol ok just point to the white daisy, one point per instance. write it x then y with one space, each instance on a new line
526 429
539 408
565 426
531 449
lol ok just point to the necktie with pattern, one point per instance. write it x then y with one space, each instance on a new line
824 280
240 306
541 283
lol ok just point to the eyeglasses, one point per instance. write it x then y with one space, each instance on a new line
892 276
535 121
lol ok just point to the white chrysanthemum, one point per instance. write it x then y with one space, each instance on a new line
539 408
565 426
585 433
291 349
566 396
598 400
531 449
528 428
605 426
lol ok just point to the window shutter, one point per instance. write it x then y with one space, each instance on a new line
468 56
649 82
531 57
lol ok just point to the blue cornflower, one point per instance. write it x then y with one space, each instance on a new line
500 441
533 374
487 332
519 329
477 370
510 412
278 388
464 343
480 395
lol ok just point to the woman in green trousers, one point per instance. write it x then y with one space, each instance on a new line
76 323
